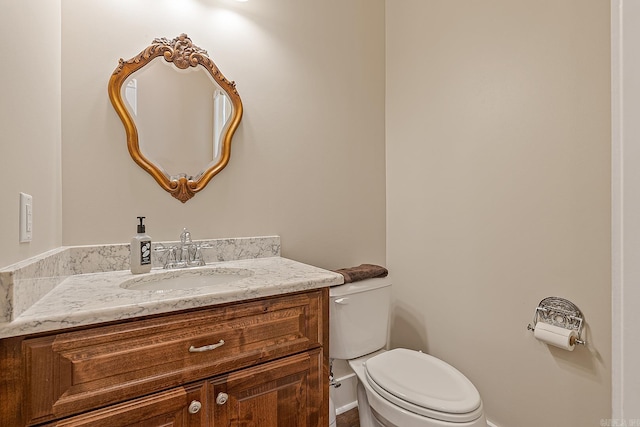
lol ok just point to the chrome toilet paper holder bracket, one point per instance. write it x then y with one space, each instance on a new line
559 312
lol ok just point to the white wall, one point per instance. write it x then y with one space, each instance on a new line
498 195
30 125
307 162
626 209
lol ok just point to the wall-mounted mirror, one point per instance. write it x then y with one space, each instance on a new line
179 113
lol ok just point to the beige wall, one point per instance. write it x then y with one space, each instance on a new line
498 195
307 162
30 125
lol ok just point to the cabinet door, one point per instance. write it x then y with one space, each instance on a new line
179 407
284 393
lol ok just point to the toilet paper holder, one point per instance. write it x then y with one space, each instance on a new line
559 312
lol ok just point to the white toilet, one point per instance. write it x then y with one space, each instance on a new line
399 387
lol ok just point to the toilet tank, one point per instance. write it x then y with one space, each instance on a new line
358 318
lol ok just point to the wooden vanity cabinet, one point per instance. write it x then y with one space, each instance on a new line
259 363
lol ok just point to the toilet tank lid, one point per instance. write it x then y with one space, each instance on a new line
361 286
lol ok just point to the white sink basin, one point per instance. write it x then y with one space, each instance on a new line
186 279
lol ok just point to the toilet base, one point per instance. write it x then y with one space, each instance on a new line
367 419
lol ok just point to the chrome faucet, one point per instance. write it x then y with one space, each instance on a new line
187 254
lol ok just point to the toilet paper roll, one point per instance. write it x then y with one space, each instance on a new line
556 336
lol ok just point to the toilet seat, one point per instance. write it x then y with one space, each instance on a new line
424 385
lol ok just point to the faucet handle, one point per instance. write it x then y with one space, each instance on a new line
197 258
185 237
159 247
171 258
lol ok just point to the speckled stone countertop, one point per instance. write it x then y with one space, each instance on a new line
88 298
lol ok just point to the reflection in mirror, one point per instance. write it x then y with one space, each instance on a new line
193 142
179 113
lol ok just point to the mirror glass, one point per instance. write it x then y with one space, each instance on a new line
179 113
194 120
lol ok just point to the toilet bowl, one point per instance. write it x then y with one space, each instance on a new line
398 387
407 388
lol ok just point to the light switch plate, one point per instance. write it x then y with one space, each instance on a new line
26 217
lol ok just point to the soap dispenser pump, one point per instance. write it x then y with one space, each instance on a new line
141 250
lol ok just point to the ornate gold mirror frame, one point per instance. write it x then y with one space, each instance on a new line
183 54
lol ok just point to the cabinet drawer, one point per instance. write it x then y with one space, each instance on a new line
69 373
178 407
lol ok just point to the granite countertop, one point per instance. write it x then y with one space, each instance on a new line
92 298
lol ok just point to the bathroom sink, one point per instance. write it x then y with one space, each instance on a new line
186 279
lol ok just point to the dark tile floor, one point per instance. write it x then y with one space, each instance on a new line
348 419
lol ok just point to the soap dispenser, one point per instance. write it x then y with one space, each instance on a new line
141 250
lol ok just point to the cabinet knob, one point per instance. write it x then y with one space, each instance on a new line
222 398
194 407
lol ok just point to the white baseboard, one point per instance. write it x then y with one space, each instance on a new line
349 406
